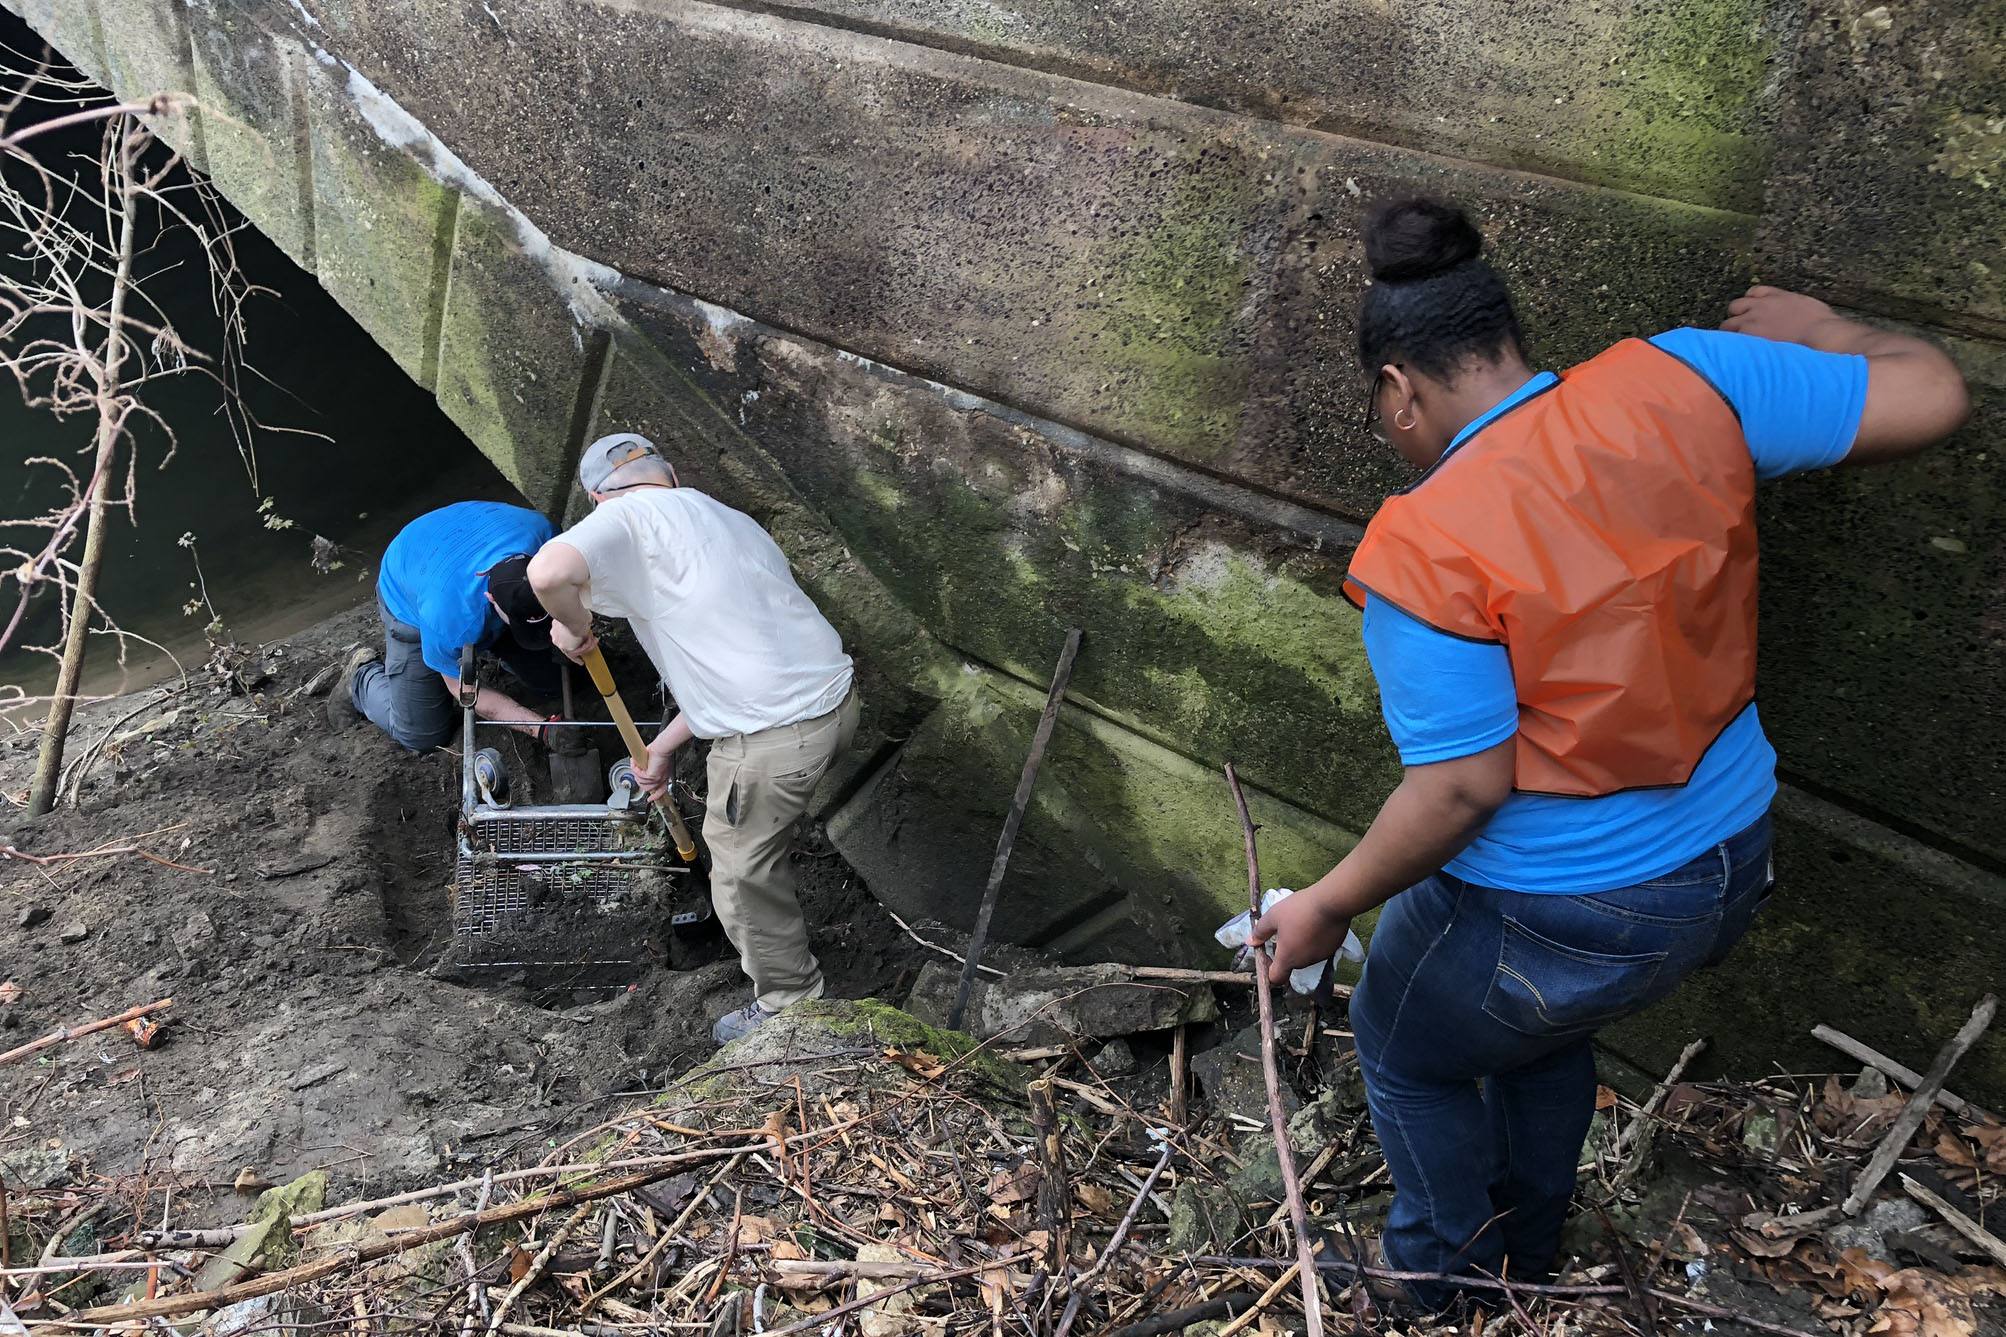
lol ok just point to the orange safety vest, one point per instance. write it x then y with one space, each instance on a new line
1602 531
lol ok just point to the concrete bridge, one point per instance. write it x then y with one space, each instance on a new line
1008 317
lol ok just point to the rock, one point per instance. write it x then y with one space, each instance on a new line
1204 1217
73 932
822 1025
1891 1216
35 1167
32 916
1060 1004
1759 1132
1229 1077
1115 1059
1871 1084
194 933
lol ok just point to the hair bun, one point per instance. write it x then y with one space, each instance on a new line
1418 238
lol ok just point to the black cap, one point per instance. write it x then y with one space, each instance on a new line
508 585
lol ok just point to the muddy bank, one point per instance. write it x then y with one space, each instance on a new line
310 1030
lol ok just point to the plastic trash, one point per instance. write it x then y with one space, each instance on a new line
1233 933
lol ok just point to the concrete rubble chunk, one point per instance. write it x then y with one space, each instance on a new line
1060 1004
73 932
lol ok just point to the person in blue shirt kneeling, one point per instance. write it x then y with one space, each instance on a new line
453 577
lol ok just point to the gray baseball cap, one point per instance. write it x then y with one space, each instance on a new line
608 453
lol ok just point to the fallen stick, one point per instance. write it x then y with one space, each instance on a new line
534 1271
1959 1222
1900 1072
865 1301
1175 975
1277 1113
56 1037
1911 1117
1180 1078
1078 1288
1055 1193
834 1272
1267 1297
209 1239
109 851
404 1241
999 865
1638 1134
933 946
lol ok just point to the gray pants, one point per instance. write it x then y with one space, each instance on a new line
406 699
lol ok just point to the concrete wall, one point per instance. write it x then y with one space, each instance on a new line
1013 318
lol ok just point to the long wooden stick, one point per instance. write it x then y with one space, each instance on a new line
1277 1113
1638 1134
56 1037
1959 1222
1911 1117
1004 843
402 1242
1902 1073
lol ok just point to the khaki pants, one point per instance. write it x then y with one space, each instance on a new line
759 785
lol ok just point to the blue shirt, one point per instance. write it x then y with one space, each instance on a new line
1444 697
434 574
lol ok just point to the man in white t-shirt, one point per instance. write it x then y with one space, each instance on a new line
753 665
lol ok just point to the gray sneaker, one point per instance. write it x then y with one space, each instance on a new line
737 1025
341 711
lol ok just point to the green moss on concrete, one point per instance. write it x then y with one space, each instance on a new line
1172 282
1689 99
245 79
382 228
513 356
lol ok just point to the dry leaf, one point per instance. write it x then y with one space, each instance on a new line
785 1249
891 1316
250 1181
754 1230
518 1263
1922 1303
1019 1185
1605 1099
10 993
124 1075
1757 1246
1095 1199
918 1062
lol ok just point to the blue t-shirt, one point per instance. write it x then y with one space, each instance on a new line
434 574
1444 697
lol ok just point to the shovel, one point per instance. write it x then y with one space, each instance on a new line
575 776
602 678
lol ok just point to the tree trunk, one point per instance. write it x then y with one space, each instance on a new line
111 427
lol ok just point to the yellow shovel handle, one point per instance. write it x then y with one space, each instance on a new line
602 678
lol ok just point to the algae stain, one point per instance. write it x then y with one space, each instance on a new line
1173 285
1680 108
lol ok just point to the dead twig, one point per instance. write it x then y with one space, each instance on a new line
1638 1135
1958 1221
534 1272
343 1259
1271 1071
1902 1073
1911 1117
1081 1285
1001 863
56 1037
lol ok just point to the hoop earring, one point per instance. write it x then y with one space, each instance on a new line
1408 425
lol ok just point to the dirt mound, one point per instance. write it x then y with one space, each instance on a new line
308 1031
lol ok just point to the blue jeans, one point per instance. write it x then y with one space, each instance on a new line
407 700
1473 1023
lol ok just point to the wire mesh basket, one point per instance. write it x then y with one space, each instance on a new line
581 889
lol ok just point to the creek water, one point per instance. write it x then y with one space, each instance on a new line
355 449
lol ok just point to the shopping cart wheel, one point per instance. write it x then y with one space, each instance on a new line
491 777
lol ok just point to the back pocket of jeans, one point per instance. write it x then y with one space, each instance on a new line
1544 988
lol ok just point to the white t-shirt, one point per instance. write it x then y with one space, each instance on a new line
710 597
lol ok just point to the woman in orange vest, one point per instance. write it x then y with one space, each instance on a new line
1561 616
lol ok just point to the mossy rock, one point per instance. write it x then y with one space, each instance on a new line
833 1025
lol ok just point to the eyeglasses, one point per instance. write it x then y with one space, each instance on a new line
1372 420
